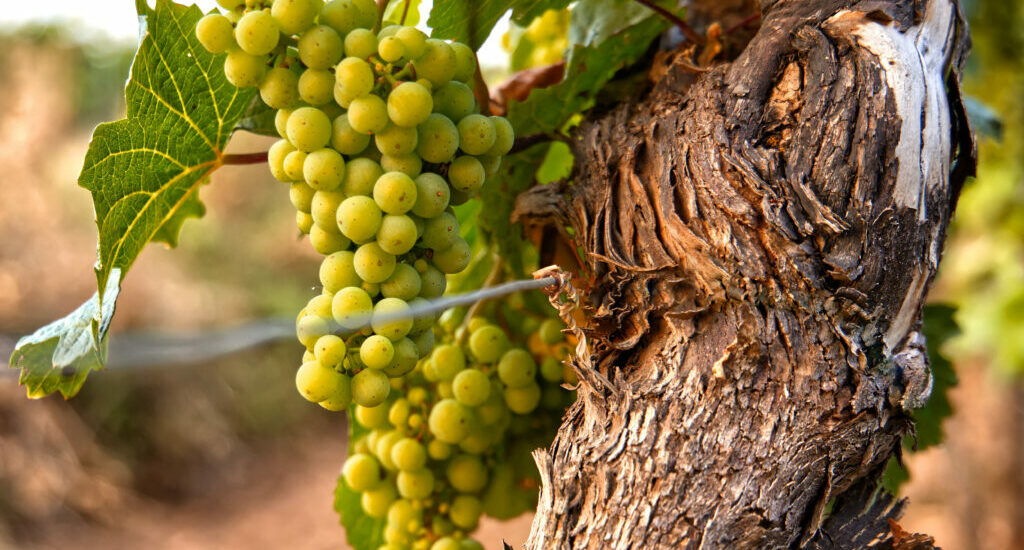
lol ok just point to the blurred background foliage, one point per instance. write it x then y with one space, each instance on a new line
219 454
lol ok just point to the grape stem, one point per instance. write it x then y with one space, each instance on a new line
381 6
492 279
480 91
244 158
405 11
683 26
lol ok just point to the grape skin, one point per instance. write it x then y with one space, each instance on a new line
215 33
257 33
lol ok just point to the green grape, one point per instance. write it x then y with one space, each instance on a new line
413 40
281 122
351 307
292 167
444 389
395 193
488 343
459 197
441 525
310 328
470 544
376 352
372 417
368 114
383 448
471 387
396 140
320 47
360 176
439 450
467 473
294 16
396 328
416 484
465 511
449 421
494 409
373 264
326 242
370 387
409 104
376 501
354 76
397 234
361 472
445 543
324 208
304 222
330 351
316 87
465 62
438 139
517 368
424 343
316 382
337 271
324 170
257 33
373 289
454 100
523 400
477 323
345 140
361 43
551 370
275 159
403 284
391 49
410 165
438 62
215 33
300 194
320 305
476 134
448 361
407 353
432 195
440 232
399 412
342 15
424 322
342 396
504 137
309 129
359 218
490 163
409 454
454 258
433 282
551 331
403 515
466 174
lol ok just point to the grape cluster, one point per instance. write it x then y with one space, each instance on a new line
455 440
547 38
381 136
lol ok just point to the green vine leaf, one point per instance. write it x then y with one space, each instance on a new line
362 531
144 173
471 21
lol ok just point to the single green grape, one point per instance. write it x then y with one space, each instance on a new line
355 76
471 387
361 472
294 16
330 351
550 331
359 218
304 222
423 322
449 421
395 193
424 342
467 473
376 352
399 412
320 47
551 370
372 417
361 43
410 165
310 328
440 232
407 353
360 176
396 140
292 167
488 343
516 368
368 114
382 448
476 134
325 207
465 62
300 194
215 33
390 319
416 484
337 271
470 544
342 396
448 361
466 174
275 159
404 515
490 164
316 86
309 129
391 49
397 234
432 195
438 139
504 137
404 284
438 62
326 242
454 100
434 283
409 104
444 390
281 122
319 305
345 140
409 454
523 400
324 170
455 258
351 307
342 15
257 33
465 511
373 264
413 40
370 387
317 382
376 501
445 543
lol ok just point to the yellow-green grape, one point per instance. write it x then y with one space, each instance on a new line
373 264
488 344
433 283
445 543
438 139
410 165
413 40
309 129
316 87
316 382
360 176
376 352
257 33
391 49
491 164
432 195
424 322
215 33
293 169
320 305
351 307
361 472
300 194
465 511
405 515
346 140
304 222
448 361
409 454
395 193
294 16
471 387
330 351
397 234
504 137
466 174
407 353
477 323
337 271
444 389
370 387
454 100
416 484
324 170
368 114
470 544
231 4
385 322
324 209
517 368
361 43
467 473
551 370
424 342
523 400
455 258
326 242
399 412
550 331
396 140
372 417
465 62
388 30
281 122
438 62
404 284
440 232
342 396
342 15
354 76
320 47
494 409
376 501
310 328
476 134
409 104
359 218
439 450
449 421
275 159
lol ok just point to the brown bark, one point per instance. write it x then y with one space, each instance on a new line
759 241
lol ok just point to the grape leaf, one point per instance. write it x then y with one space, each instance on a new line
517 174
362 531
144 173
471 21
258 119
396 8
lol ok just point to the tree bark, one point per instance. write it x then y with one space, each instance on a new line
758 243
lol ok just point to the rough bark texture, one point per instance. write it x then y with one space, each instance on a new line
759 241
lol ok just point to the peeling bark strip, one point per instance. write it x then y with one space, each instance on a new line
762 239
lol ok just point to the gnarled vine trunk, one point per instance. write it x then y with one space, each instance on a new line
758 242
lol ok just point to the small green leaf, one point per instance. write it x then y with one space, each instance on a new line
396 8
258 119
557 163
362 531
471 21
517 174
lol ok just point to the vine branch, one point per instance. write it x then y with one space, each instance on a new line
244 158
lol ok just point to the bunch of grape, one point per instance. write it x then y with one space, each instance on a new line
381 136
455 440
546 39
